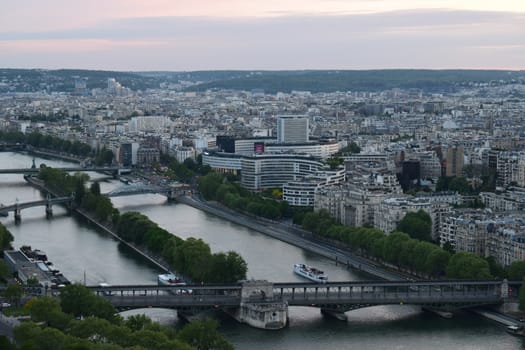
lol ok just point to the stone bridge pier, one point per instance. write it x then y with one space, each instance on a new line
259 308
18 214
49 207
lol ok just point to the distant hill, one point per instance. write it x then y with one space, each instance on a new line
63 80
365 80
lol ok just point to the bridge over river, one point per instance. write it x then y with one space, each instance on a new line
171 192
265 305
35 170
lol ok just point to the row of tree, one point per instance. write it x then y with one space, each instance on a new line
399 249
191 257
6 237
217 187
57 144
187 170
82 320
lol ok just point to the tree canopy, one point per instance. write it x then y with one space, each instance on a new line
418 225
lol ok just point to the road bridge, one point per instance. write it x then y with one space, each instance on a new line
17 207
111 169
12 147
172 191
259 300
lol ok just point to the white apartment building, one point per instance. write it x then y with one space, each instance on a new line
183 153
292 129
301 192
484 234
354 203
263 171
392 210
510 200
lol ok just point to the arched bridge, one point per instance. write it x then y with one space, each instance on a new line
48 203
171 192
35 170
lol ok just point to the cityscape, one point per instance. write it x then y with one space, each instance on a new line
199 198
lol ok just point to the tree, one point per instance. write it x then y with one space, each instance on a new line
351 148
5 237
203 335
4 271
517 271
496 269
465 265
47 309
418 225
522 296
437 262
393 247
13 293
77 300
138 322
95 188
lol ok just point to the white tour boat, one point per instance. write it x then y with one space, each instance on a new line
311 273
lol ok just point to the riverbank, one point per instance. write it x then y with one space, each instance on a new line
295 236
88 217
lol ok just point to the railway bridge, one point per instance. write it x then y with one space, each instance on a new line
264 304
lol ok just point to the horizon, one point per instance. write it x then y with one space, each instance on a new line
271 35
267 70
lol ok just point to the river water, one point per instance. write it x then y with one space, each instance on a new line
84 254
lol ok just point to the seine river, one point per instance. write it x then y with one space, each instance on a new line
84 254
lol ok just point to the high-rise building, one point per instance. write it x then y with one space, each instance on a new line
454 161
292 129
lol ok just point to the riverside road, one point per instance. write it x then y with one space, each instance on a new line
294 236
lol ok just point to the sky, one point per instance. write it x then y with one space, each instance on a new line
185 35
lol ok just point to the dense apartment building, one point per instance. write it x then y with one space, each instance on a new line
355 202
482 233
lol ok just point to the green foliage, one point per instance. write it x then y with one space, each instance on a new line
517 271
318 222
77 300
4 270
217 187
6 237
48 310
334 162
13 293
351 80
454 183
5 344
397 248
138 332
191 257
180 171
53 143
104 157
498 270
138 322
465 265
203 335
437 262
61 181
522 296
352 148
95 188
418 225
